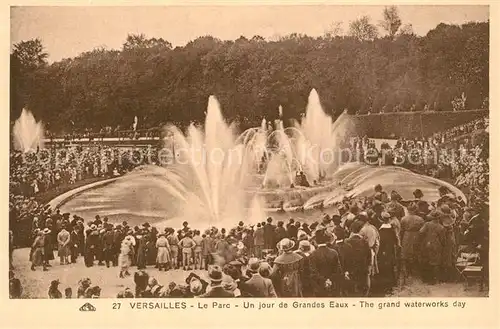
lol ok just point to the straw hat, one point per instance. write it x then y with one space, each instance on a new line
286 244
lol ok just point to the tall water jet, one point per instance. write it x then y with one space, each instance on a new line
317 139
216 166
27 132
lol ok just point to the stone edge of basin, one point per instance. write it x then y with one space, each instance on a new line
60 200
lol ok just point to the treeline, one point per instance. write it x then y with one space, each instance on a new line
150 79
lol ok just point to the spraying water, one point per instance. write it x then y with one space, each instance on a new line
28 133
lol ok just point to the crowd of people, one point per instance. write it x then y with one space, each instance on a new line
366 249
462 161
34 173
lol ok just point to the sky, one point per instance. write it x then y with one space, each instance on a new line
68 31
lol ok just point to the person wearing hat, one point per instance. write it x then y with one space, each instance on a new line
450 244
395 207
63 244
91 245
38 248
207 248
325 268
108 245
258 240
48 251
216 290
197 250
410 227
173 241
54 292
256 285
344 251
163 254
432 238
269 234
187 245
74 243
371 235
280 231
126 255
357 265
286 270
389 243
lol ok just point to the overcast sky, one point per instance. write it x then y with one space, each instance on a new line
68 31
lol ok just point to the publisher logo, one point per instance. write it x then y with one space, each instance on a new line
87 307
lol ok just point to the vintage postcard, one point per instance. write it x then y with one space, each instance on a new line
267 164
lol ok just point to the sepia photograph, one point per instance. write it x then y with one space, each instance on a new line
255 151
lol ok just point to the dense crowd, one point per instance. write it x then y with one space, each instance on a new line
34 173
464 162
369 247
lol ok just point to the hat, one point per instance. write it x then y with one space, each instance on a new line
395 196
362 216
356 226
93 227
55 283
385 215
254 264
215 274
286 244
152 281
412 207
46 230
445 209
195 287
303 236
304 245
418 193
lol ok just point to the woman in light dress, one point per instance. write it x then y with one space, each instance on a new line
126 254
163 255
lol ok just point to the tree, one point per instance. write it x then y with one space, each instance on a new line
362 29
135 41
334 30
30 54
391 22
406 29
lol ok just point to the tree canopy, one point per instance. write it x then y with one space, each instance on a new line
149 79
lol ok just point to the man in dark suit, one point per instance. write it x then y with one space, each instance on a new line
216 290
257 286
326 271
359 260
270 235
344 250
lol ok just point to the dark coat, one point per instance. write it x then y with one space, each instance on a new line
292 232
410 226
387 254
359 258
432 239
269 236
325 265
280 233
258 286
286 275
141 252
48 247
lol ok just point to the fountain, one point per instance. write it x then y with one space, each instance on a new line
27 132
220 178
